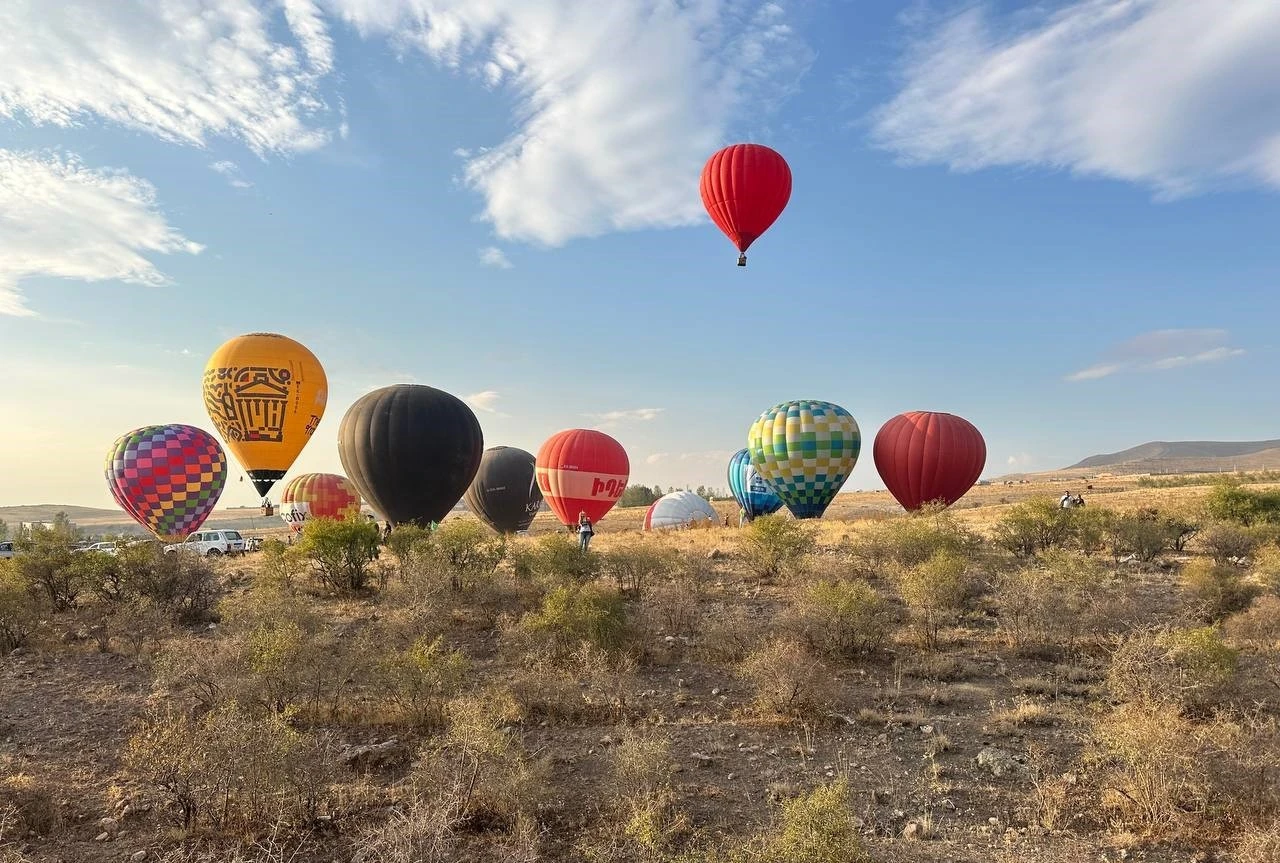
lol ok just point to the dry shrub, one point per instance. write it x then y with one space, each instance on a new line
1034 526
1213 591
230 769
788 680
1182 667
1261 845
585 686
1166 775
730 633
140 622
634 565
1227 543
1266 569
30 806
1258 627
1024 713
935 591
554 559
841 619
1058 602
478 769
421 830
183 584
674 609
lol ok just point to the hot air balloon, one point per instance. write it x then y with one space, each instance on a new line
679 509
411 450
265 394
167 477
745 187
925 456
318 495
582 470
505 493
805 450
749 489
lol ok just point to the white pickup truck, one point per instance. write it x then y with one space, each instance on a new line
210 543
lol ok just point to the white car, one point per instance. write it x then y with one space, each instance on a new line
210 543
6 549
104 547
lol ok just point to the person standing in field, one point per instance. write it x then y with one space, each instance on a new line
585 531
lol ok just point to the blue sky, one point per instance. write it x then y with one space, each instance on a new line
1023 215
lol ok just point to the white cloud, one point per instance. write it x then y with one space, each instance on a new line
492 256
485 401
656 458
635 415
619 103
183 70
1181 95
1160 350
231 171
1021 459
59 218
712 456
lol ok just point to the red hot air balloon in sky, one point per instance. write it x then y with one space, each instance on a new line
581 470
924 456
745 188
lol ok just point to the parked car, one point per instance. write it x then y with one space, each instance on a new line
210 543
104 547
253 543
6 549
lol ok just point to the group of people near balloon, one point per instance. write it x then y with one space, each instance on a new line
412 452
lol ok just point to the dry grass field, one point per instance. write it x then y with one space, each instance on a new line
867 687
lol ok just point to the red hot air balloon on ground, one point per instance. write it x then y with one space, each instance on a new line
925 456
581 470
745 187
318 495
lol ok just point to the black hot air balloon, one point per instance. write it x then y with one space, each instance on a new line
411 450
505 493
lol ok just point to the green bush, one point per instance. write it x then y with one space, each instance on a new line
281 565
47 565
420 680
935 591
1185 667
555 558
405 539
20 608
912 539
467 550
1034 526
341 553
774 545
572 614
817 827
1091 526
183 584
1230 501
842 618
1141 534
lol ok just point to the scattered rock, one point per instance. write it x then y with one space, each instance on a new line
374 755
926 729
110 825
715 692
702 758
715 554
731 775
102 837
139 855
997 761
19 651
606 740
913 830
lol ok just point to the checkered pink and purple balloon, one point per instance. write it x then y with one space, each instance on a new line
168 478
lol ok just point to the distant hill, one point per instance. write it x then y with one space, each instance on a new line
1188 457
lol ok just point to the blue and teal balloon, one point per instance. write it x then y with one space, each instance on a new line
805 450
749 489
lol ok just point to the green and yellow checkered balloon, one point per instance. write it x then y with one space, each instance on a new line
806 450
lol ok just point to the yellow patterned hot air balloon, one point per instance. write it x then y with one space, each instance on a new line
265 394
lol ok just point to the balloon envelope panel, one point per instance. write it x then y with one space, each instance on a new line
749 488
411 450
582 470
167 477
505 493
925 456
265 394
806 450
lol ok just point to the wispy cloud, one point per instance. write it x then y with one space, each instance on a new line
492 256
1020 460
709 456
485 401
634 415
617 104
60 218
231 171
1161 350
1092 86
656 458
182 71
